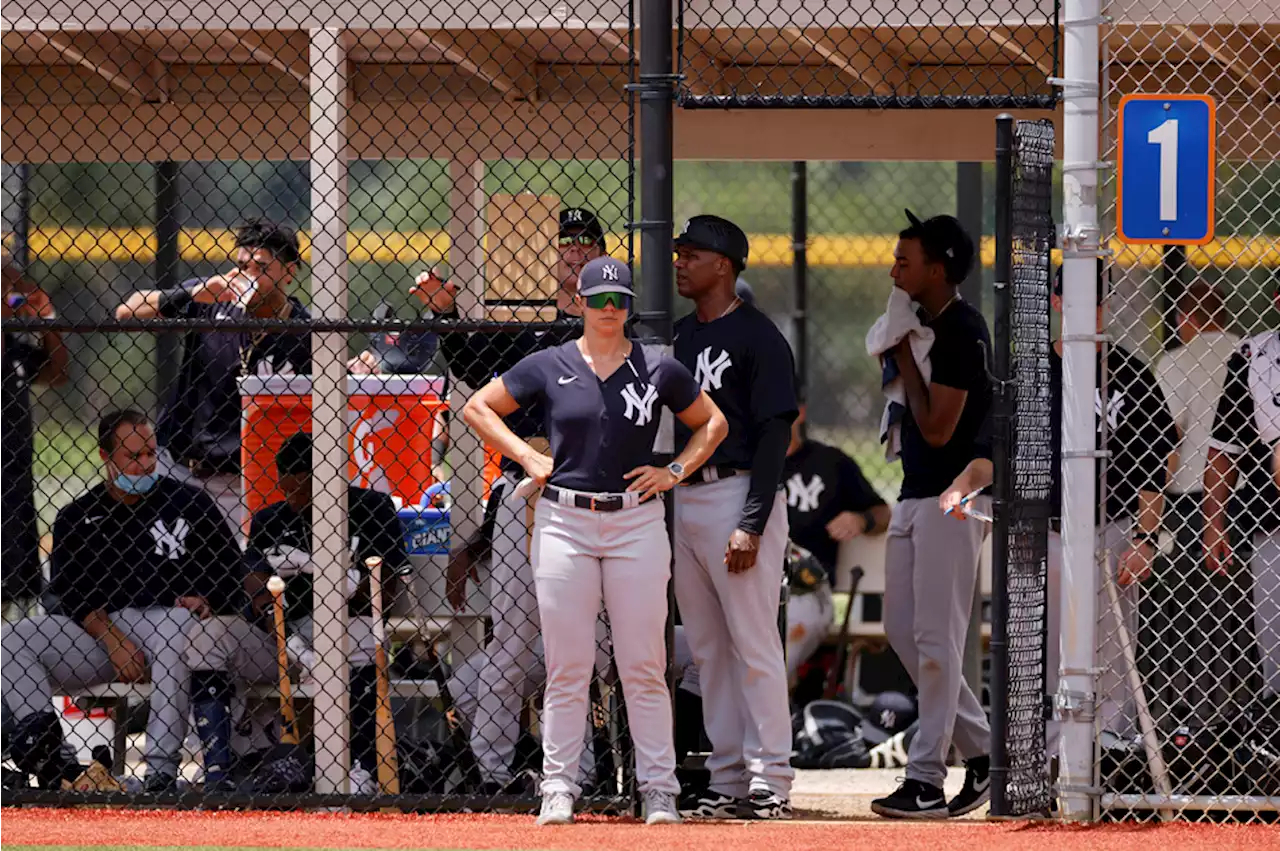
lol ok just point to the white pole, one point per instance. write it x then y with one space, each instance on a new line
329 404
1080 127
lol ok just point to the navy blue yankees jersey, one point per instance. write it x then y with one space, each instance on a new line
600 430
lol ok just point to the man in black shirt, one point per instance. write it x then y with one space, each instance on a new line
931 562
28 359
829 502
731 528
490 685
137 560
199 426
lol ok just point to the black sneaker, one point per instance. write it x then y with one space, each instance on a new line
914 800
158 783
977 787
709 804
763 804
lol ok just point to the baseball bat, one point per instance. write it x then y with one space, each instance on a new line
385 741
835 676
288 717
1150 741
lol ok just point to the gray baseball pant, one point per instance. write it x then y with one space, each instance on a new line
1265 566
52 654
931 569
731 623
623 557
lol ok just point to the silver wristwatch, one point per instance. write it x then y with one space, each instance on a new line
676 469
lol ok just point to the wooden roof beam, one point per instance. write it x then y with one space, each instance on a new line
869 71
117 66
264 54
489 70
1018 51
1233 59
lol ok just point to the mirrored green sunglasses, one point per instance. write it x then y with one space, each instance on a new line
599 301
584 239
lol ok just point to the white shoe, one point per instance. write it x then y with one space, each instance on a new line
660 808
361 782
557 808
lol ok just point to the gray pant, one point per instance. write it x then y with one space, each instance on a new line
52 654
931 570
1265 566
225 489
731 623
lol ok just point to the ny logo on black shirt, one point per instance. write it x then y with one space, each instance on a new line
639 407
171 542
710 373
804 497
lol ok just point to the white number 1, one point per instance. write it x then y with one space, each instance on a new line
1166 137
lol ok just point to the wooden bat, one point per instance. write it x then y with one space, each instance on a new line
385 741
836 674
289 718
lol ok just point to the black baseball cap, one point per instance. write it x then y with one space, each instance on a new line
945 241
605 275
294 457
1102 282
577 220
713 233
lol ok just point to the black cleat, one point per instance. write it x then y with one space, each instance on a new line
977 787
763 804
709 804
913 800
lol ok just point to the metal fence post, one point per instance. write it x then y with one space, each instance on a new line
166 267
800 271
1079 486
329 403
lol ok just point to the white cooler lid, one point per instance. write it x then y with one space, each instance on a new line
357 385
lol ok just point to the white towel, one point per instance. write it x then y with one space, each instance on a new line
898 321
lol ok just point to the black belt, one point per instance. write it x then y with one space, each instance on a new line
714 473
590 502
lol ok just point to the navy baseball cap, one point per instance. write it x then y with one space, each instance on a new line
294 457
713 233
580 220
945 240
605 275
1103 277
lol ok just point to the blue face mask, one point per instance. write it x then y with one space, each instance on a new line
136 485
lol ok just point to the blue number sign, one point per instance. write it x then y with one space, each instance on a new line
1165 169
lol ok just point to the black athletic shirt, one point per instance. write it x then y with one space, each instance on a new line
958 359
745 365
822 482
476 359
1247 427
600 430
24 357
1140 432
374 531
200 416
173 542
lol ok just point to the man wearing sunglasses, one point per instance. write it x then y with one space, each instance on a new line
490 686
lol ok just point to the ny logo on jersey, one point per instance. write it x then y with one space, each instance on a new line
1115 407
171 542
801 496
639 408
710 373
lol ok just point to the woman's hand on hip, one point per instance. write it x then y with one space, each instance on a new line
650 481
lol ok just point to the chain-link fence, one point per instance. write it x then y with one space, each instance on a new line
1190 418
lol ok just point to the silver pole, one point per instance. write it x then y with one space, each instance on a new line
329 404
1080 128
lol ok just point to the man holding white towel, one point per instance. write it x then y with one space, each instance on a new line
931 563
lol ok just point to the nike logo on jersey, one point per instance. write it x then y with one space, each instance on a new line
803 496
565 379
95 518
639 407
709 372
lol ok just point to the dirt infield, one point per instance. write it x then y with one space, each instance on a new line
89 828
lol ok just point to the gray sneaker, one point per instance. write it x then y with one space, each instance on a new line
557 808
660 808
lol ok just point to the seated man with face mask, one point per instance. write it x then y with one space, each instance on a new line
138 561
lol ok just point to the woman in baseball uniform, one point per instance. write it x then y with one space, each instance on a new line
598 532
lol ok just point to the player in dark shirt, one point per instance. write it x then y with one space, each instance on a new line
488 687
137 561
598 533
931 562
280 544
199 425
28 359
731 529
